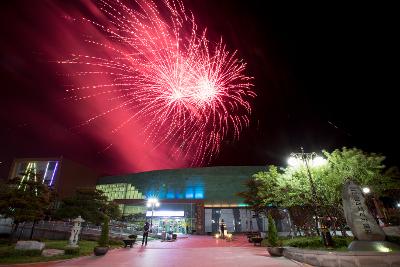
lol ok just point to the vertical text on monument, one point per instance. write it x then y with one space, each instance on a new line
358 216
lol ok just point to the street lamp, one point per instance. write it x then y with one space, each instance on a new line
366 190
296 160
152 202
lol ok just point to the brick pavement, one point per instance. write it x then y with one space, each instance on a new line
194 251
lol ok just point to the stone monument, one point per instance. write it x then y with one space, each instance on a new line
368 235
29 245
75 231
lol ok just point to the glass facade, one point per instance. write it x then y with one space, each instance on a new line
205 195
236 220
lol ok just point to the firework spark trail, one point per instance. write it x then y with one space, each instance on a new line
190 93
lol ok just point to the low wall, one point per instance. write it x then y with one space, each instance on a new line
343 259
60 230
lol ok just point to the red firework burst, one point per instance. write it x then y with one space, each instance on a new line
188 92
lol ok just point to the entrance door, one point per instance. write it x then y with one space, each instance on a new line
175 225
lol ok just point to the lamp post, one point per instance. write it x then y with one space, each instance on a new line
296 160
152 202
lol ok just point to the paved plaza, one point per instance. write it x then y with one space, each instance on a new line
193 251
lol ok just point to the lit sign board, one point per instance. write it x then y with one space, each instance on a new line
166 213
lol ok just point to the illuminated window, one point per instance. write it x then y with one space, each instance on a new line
44 171
120 191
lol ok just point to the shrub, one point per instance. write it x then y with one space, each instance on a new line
71 251
29 253
103 241
6 251
341 241
264 243
272 232
4 241
304 242
115 242
316 242
393 239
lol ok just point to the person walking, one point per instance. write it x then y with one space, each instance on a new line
146 230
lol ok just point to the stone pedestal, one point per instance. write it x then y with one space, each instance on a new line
52 252
29 245
368 235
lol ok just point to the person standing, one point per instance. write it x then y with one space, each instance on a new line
222 228
146 230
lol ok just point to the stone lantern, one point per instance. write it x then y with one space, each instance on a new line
75 231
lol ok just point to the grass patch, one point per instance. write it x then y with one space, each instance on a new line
8 255
341 243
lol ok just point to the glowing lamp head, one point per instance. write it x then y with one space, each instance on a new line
318 161
294 162
152 202
366 190
398 205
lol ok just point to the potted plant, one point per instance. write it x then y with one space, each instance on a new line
102 247
274 245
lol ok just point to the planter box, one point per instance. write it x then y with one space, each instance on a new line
275 251
100 251
342 259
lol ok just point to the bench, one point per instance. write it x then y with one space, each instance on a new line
129 242
250 235
256 240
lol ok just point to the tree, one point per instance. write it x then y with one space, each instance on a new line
91 204
251 196
23 201
103 241
272 232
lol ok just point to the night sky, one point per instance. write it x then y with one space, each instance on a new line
324 76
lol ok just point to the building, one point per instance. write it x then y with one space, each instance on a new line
59 173
193 200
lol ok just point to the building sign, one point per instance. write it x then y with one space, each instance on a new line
200 218
166 213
